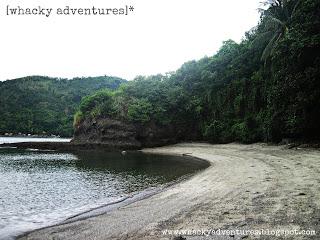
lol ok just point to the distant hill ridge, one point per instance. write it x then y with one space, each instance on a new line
44 105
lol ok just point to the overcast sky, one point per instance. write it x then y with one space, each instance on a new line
158 37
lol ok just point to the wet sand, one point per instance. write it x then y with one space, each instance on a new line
246 187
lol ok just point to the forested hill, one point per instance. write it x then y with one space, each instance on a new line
43 105
265 88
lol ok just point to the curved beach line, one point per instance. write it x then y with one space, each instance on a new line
250 187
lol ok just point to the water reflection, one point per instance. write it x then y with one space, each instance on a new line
138 163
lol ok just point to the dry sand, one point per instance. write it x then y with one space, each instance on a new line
246 187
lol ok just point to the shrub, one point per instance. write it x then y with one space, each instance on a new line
140 110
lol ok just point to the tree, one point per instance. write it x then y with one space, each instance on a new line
276 22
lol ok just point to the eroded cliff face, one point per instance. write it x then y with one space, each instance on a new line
118 134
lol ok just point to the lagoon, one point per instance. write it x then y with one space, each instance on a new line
41 188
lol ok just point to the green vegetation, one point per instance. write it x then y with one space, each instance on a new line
43 105
263 89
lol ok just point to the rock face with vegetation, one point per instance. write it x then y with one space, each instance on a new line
108 131
121 118
119 134
264 88
43 105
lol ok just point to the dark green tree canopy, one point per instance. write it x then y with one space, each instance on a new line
264 88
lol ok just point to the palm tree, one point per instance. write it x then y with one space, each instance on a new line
276 23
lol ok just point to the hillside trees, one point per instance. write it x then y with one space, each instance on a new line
264 88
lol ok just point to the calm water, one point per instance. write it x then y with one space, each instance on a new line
40 188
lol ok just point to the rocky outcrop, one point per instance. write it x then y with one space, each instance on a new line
118 134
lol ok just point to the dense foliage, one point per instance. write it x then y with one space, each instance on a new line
43 105
263 89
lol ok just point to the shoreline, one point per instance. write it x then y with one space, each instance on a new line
247 186
132 198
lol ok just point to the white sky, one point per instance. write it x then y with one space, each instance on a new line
159 36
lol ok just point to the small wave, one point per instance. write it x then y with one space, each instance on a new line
96 211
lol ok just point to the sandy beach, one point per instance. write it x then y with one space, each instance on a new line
247 187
